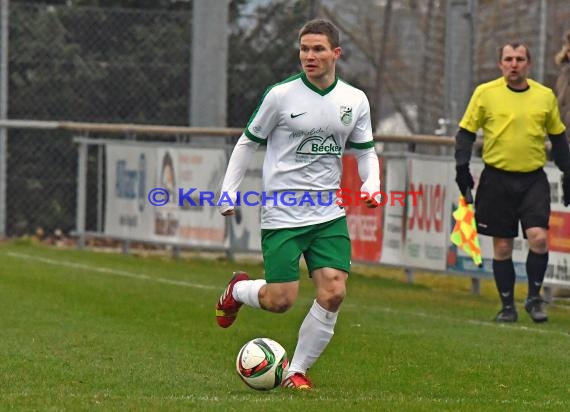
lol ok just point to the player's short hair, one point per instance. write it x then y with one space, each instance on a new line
514 45
322 26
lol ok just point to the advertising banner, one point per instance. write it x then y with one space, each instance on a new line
427 225
192 178
364 224
164 194
558 273
411 233
130 175
245 223
394 228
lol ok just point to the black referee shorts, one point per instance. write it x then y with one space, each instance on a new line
506 198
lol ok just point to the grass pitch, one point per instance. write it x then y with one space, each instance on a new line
82 330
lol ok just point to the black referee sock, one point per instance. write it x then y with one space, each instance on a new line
535 269
504 273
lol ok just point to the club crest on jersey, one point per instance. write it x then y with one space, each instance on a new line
346 115
317 145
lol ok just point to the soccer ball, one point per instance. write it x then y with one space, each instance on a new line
262 363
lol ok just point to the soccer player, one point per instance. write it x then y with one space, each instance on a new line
306 121
515 113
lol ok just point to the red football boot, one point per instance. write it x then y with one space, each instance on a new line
297 381
227 307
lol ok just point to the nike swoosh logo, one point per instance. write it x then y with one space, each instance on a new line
297 115
505 294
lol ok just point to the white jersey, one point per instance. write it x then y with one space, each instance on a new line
306 131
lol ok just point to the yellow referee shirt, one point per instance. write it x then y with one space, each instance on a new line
514 123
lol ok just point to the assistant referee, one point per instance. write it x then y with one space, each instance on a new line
515 114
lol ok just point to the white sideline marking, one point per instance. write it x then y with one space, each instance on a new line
348 306
108 271
490 323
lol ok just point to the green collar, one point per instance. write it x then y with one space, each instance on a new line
314 88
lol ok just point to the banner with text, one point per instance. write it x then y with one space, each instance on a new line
245 223
187 179
364 224
130 175
189 217
394 228
427 226
558 273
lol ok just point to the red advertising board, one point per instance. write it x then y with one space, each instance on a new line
559 233
364 224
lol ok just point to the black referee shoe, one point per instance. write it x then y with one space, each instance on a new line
507 314
535 307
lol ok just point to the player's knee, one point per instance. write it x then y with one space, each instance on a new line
502 248
278 299
281 303
538 240
332 298
282 307
539 245
337 298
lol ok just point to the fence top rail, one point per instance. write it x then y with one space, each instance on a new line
124 128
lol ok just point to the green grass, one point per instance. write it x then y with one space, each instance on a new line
83 330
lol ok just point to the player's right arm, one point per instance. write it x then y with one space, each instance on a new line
237 166
471 122
260 125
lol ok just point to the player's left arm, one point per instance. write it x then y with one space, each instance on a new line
561 157
369 171
560 149
362 141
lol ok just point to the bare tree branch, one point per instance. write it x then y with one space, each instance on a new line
367 52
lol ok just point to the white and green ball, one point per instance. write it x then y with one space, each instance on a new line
262 363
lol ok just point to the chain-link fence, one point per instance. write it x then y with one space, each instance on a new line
123 64
132 65
98 64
